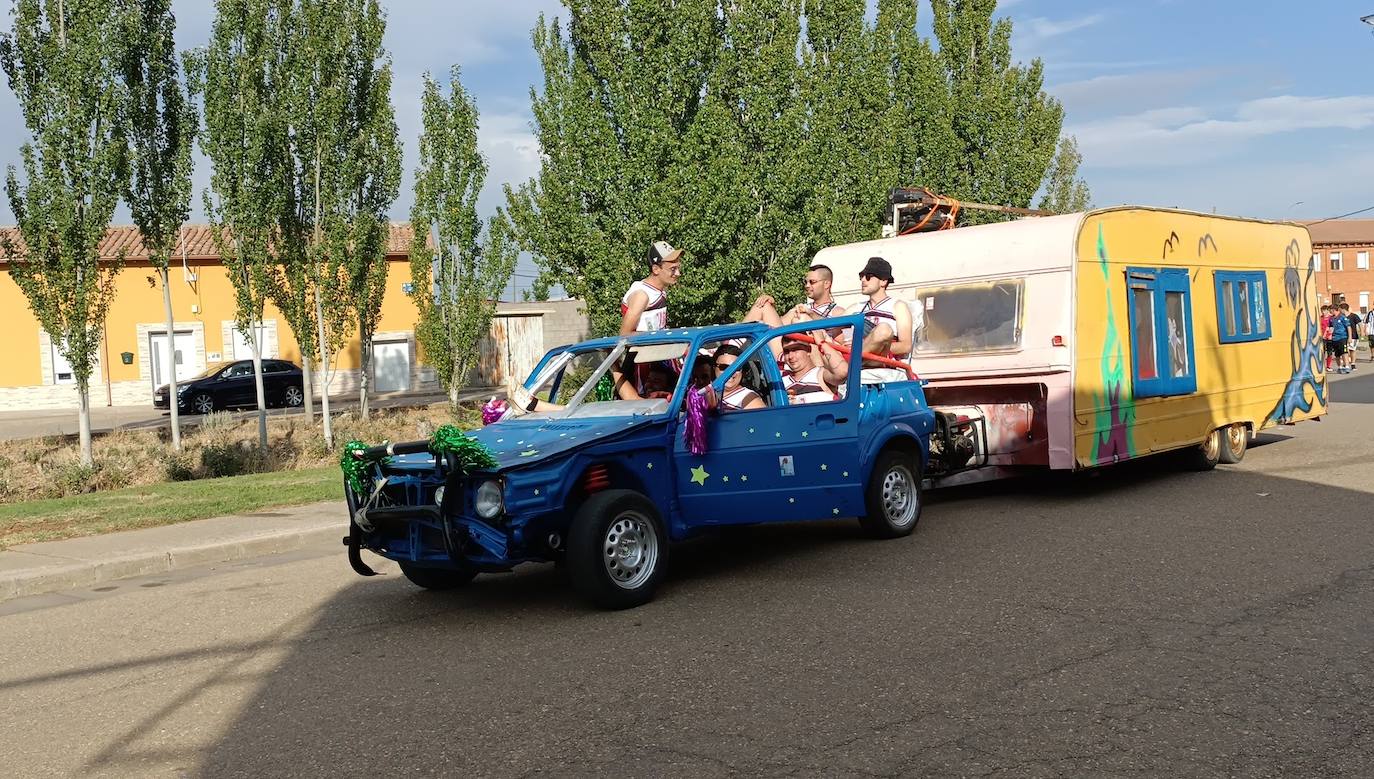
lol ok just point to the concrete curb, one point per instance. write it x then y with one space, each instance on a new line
83 574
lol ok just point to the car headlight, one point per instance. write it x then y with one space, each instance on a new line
182 389
487 500
439 495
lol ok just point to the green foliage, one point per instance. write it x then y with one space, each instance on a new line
456 275
162 123
63 62
1065 192
753 133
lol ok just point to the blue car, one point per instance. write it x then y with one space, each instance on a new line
607 485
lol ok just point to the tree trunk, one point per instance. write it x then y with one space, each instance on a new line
306 384
262 395
365 350
83 419
324 374
171 358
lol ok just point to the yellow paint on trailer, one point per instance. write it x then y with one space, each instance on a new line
1256 382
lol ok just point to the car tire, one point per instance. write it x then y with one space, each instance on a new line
1234 441
892 499
203 403
1206 455
293 396
617 549
437 578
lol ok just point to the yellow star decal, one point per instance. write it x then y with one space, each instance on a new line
699 475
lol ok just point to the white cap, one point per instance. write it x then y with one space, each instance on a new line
662 251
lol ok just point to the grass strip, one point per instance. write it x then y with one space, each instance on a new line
162 504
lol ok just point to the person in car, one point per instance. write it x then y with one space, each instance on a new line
735 396
807 382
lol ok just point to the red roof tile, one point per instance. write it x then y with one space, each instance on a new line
1341 232
196 242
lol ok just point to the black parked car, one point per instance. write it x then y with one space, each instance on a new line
230 384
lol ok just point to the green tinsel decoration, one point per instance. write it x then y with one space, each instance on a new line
354 467
467 452
604 389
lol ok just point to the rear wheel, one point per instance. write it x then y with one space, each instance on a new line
1206 455
1234 440
893 498
437 578
293 397
617 549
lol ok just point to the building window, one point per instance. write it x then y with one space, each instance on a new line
1364 302
1361 260
1242 306
1161 319
1335 260
1316 261
62 372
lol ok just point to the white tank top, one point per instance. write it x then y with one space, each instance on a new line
808 388
885 313
822 311
735 399
655 314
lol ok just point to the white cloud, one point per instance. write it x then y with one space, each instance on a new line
1188 135
1039 29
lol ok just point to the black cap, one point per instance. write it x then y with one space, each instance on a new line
878 267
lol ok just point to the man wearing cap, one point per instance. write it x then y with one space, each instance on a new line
888 320
644 308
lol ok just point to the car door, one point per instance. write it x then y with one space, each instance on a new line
236 386
780 463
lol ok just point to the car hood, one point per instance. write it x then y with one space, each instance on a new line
517 442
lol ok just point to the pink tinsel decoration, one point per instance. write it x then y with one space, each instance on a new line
695 434
494 410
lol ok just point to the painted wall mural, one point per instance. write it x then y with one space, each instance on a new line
1307 386
1116 408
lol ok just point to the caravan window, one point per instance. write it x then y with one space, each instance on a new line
1242 306
1161 321
961 318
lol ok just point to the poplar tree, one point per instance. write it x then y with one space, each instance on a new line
161 121
1065 192
752 133
456 275
63 60
245 81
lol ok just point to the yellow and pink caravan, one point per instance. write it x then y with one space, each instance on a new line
1073 341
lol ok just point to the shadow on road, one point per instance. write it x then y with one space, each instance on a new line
1146 620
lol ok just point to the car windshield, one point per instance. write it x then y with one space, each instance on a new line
620 380
211 370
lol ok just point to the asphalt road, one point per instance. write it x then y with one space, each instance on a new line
1143 621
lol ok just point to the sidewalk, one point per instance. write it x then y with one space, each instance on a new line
52 566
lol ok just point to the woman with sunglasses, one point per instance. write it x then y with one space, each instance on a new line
735 397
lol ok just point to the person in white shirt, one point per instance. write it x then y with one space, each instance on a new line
888 328
644 307
807 382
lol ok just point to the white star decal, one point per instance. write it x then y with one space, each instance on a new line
824 467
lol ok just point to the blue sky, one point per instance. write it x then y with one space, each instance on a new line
1253 108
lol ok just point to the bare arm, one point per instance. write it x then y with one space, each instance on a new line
901 342
638 302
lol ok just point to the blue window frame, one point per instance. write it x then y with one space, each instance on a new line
1242 306
1160 308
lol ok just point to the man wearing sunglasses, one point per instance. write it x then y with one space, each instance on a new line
820 303
887 320
644 308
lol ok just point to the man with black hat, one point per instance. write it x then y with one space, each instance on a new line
644 308
888 320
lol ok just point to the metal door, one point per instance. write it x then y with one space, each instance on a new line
391 366
184 356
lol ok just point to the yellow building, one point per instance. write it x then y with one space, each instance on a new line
133 357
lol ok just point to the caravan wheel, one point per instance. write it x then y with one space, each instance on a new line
1235 438
1206 455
